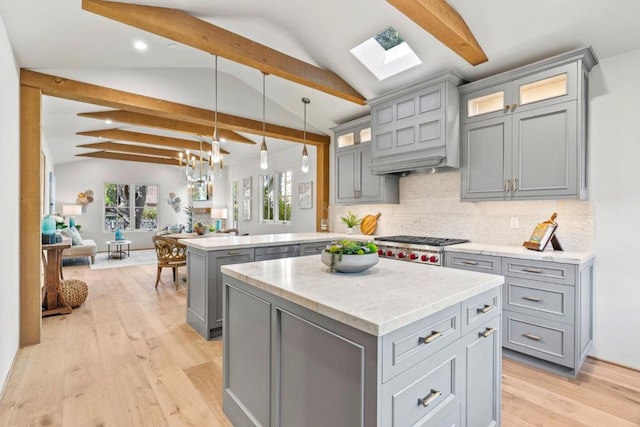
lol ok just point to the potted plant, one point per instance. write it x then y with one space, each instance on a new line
350 220
200 228
349 256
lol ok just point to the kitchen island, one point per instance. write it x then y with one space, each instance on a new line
397 345
206 255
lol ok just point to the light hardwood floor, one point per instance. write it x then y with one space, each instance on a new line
127 358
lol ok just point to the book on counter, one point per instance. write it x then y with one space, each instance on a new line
543 234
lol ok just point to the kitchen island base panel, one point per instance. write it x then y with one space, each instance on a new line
322 372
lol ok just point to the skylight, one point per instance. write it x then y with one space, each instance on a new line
386 54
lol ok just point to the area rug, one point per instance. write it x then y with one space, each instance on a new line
141 257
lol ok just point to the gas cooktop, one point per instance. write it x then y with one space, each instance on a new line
421 240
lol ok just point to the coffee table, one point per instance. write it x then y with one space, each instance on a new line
119 252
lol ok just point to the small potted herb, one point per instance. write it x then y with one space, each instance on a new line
350 220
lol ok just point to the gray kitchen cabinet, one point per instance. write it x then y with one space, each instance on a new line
524 131
547 308
417 128
483 368
322 372
204 291
314 248
354 181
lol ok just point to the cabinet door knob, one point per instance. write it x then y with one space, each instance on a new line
513 107
506 108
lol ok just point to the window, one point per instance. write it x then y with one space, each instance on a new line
276 187
130 210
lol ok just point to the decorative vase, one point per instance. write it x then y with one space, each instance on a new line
119 235
48 229
349 230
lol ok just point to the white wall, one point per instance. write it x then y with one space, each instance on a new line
75 177
615 172
302 220
9 164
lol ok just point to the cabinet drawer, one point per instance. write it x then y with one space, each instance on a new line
405 347
542 299
539 270
544 339
474 262
425 394
479 309
313 248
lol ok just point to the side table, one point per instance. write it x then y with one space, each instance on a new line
118 253
53 300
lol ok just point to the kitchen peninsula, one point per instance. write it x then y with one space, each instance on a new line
399 344
206 255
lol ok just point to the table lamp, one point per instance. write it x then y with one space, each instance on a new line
71 211
218 215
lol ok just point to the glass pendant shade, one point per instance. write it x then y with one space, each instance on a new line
263 154
215 151
305 160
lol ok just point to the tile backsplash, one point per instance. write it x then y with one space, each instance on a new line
430 206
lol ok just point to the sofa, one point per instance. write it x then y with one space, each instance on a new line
80 248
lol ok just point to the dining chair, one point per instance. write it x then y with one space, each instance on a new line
171 254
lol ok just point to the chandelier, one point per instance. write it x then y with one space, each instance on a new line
200 168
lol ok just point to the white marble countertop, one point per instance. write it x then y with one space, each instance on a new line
522 252
215 243
384 298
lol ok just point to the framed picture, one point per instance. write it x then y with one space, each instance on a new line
246 188
305 195
246 209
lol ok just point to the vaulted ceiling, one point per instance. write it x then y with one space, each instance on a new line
60 38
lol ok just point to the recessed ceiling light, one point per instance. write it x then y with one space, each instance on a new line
140 45
172 45
108 121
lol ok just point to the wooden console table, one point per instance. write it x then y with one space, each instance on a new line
53 300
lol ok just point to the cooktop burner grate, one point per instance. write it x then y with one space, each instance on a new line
421 240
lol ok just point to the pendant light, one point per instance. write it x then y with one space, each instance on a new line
263 147
215 143
305 154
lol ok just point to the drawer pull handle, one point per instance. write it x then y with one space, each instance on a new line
532 270
534 299
488 332
532 337
470 262
429 339
506 185
233 252
487 308
429 399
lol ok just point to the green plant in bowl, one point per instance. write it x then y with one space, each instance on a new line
200 228
350 256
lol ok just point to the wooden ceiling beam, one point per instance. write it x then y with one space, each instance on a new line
146 138
146 120
128 157
181 27
113 98
445 24
138 149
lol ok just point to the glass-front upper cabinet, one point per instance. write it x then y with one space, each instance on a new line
552 86
353 136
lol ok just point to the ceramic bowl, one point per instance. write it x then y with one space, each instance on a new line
350 263
200 229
